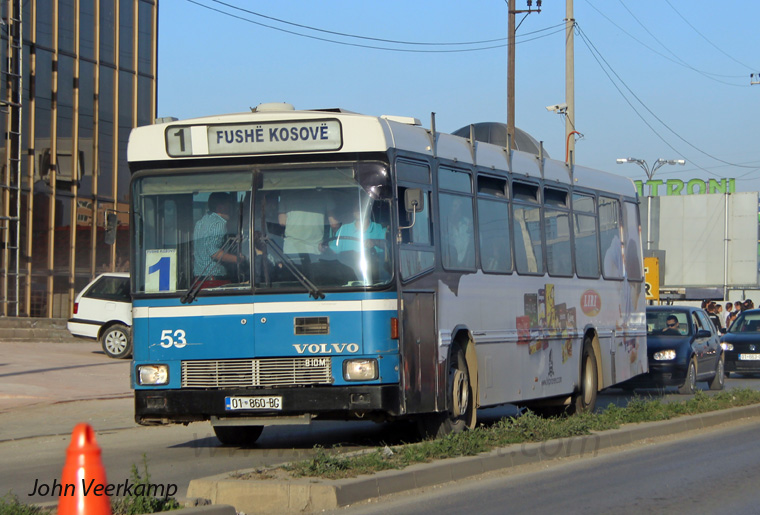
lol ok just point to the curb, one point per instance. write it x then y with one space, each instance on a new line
310 495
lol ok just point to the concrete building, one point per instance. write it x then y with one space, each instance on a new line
78 75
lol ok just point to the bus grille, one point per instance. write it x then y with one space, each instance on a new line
245 373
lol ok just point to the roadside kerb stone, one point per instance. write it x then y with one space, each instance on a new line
314 494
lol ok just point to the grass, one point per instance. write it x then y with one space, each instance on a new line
139 503
10 505
523 429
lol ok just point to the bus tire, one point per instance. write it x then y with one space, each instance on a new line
460 398
237 435
584 400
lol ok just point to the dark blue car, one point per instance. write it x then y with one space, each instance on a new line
741 344
683 347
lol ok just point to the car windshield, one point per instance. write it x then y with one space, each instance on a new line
668 323
746 323
300 228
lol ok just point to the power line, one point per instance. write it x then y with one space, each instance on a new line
705 38
560 28
595 52
247 11
675 60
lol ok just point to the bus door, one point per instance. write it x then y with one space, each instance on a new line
419 352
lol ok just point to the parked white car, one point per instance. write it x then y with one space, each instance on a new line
103 311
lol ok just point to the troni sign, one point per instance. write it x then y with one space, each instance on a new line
659 188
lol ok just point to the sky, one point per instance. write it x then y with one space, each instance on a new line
654 79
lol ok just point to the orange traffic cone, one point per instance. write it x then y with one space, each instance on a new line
84 470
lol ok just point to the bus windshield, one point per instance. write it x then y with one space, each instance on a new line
303 229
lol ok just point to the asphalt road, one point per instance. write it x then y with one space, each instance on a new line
699 472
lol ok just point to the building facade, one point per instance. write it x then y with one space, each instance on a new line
78 75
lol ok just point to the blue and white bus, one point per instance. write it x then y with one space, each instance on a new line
370 268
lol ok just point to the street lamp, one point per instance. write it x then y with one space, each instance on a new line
650 174
657 164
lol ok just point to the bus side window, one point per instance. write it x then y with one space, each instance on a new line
633 261
527 229
557 231
585 233
609 234
420 232
416 253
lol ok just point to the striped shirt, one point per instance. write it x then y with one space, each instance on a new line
208 238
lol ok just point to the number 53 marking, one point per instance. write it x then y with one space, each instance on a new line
171 338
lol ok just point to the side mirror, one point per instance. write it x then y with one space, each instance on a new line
414 200
112 222
703 333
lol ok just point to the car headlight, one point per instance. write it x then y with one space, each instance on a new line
152 374
665 355
360 369
727 346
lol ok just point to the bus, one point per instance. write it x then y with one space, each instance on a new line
367 268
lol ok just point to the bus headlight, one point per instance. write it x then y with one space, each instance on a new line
727 346
665 355
152 374
360 369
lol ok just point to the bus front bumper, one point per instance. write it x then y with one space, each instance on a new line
331 402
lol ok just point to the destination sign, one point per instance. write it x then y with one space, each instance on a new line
260 138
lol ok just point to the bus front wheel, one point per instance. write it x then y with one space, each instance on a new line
237 435
460 398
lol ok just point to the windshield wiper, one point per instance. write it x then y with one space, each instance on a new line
233 242
293 269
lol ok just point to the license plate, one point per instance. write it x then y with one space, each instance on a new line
252 403
749 357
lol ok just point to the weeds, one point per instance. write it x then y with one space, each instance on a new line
10 505
140 503
527 428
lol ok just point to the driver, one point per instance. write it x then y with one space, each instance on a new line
671 326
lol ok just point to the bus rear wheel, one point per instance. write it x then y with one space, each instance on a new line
460 398
237 435
584 400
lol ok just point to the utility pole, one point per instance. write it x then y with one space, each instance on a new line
511 29
570 78
754 78
511 73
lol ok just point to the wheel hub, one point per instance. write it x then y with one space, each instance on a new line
461 394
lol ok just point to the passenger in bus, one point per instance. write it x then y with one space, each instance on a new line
461 252
304 214
264 265
209 236
362 231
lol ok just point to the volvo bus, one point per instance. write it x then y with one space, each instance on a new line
365 267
